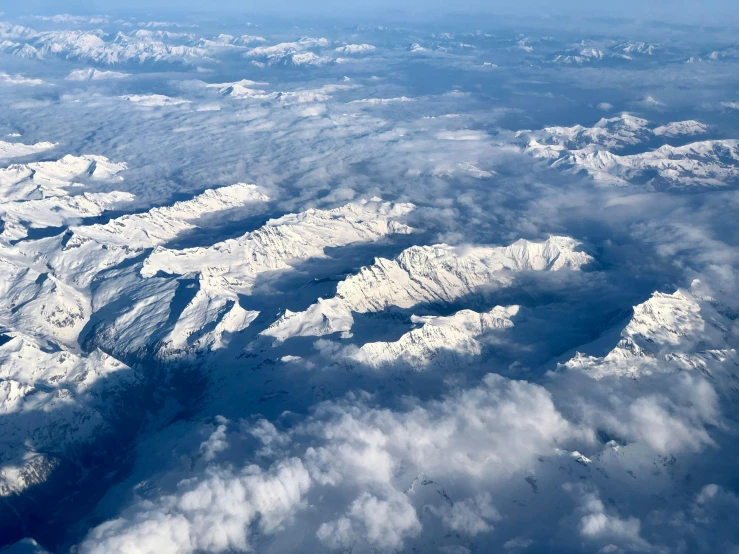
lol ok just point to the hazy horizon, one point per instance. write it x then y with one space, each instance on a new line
677 11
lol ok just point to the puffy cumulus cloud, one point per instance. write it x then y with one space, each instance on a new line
212 514
670 413
484 432
267 434
471 516
662 424
216 442
382 522
358 469
607 529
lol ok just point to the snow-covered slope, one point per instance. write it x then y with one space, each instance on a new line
160 225
428 275
355 49
145 302
47 290
40 304
636 47
281 242
182 302
587 52
712 164
439 341
154 100
667 333
25 546
681 129
51 401
614 133
38 195
245 88
9 150
56 211
300 52
83 252
40 179
98 47
325 317
579 57
94 75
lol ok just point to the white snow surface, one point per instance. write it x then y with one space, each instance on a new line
51 401
235 263
9 150
707 164
159 225
681 128
95 75
355 48
427 275
667 333
613 133
37 180
443 342
704 164
154 100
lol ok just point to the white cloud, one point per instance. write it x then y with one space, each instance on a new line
471 516
381 522
601 526
485 432
216 442
214 513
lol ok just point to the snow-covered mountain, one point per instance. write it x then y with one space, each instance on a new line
70 265
709 163
99 47
591 52
613 133
236 263
61 397
43 194
301 52
355 48
245 88
636 47
94 75
681 129
713 164
37 180
10 150
585 55
56 211
52 402
428 275
442 342
186 301
154 100
667 333
160 225
55 398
